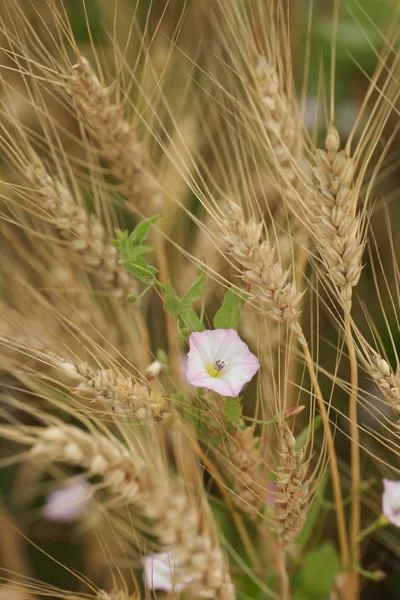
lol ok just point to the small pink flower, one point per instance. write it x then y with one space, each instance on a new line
67 504
391 501
271 489
160 573
218 360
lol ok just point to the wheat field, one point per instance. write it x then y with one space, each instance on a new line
199 300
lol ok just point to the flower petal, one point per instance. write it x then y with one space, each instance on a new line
159 573
67 504
391 501
240 365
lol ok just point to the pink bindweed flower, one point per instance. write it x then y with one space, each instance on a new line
67 504
160 573
271 489
391 501
218 360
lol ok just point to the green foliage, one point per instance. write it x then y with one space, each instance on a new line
232 411
132 250
228 316
303 435
182 310
315 579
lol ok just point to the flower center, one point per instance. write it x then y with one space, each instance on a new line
216 369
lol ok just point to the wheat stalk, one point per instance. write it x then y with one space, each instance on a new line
337 227
84 234
292 489
115 136
120 392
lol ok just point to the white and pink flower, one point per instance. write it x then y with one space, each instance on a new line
68 503
391 501
220 361
160 573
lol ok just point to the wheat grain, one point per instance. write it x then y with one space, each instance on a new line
84 234
292 489
115 390
116 138
337 227
182 531
279 296
124 474
387 381
241 459
278 118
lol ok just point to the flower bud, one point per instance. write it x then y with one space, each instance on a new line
154 369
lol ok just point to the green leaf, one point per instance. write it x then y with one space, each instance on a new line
141 231
172 301
228 316
317 573
141 269
132 250
190 319
233 411
303 436
181 310
196 289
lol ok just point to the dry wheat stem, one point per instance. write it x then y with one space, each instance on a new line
355 460
84 234
336 482
292 489
337 228
177 521
119 392
116 138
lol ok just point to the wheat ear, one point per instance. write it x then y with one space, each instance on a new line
387 381
115 136
292 489
241 459
124 474
181 529
177 522
84 234
119 392
337 227
278 118
278 296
